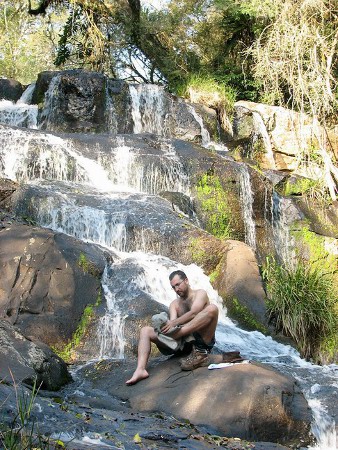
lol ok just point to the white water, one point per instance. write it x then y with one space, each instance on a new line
21 113
261 131
247 209
154 280
149 106
27 156
148 110
111 326
47 115
284 242
204 132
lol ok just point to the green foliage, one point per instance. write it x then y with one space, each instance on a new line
26 42
313 245
67 352
207 90
88 266
310 189
244 316
303 303
214 204
22 433
198 254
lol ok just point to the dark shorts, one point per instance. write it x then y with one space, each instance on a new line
198 342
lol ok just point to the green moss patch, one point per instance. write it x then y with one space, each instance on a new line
244 316
215 206
67 352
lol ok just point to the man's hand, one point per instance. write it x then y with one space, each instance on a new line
168 326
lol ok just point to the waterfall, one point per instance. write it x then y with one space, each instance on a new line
47 118
148 109
29 156
260 130
27 95
111 326
247 202
21 113
205 135
62 213
91 201
204 132
284 242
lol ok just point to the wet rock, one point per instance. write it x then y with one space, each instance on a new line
10 89
238 401
81 101
276 137
239 283
24 361
7 187
45 283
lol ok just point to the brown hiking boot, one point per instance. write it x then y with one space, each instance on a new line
196 359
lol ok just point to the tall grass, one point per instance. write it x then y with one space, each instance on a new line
21 433
303 302
204 89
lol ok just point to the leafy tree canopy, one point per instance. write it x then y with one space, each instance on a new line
27 43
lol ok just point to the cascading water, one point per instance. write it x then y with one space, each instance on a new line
148 109
111 326
204 132
284 241
63 213
247 210
261 131
21 113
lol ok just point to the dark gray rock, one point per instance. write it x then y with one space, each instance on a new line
24 361
44 288
10 89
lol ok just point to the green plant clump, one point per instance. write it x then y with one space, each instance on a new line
205 89
215 206
22 432
310 189
303 303
67 352
88 266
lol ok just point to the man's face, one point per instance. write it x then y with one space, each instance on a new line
180 286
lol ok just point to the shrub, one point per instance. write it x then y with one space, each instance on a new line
303 302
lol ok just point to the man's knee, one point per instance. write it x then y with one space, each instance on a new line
212 311
148 332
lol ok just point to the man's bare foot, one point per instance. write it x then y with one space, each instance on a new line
139 374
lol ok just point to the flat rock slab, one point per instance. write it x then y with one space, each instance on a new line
248 401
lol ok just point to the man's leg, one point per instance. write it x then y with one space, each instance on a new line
147 336
203 326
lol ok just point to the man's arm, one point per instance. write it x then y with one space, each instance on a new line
173 310
199 303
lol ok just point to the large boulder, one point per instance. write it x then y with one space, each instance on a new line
277 137
47 280
24 361
248 401
10 89
81 101
239 283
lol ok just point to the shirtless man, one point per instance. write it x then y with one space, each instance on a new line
194 314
